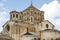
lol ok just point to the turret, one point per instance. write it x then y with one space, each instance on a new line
14 15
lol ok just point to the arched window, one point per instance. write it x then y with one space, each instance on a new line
16 15
34 38
31 19
10 16
51 38
47 25
13 15
43 39
38 38
34 30
8 27
35 12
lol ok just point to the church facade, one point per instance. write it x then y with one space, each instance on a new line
29 25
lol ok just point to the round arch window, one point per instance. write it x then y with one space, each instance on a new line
51 38
31 19
8 27
47 25
43 39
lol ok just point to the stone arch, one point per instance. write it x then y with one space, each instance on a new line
7 27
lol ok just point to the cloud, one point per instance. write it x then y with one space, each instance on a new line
3 13
52 12
1 4
4 0
3 18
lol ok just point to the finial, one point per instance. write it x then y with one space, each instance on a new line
31 3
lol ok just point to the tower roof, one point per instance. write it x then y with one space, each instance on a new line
31 6
14 11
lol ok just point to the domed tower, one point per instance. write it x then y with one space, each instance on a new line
15 16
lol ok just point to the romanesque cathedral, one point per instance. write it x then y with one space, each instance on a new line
29 24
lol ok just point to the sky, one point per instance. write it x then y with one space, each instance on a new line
51 9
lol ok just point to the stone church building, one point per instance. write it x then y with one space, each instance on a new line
29 24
